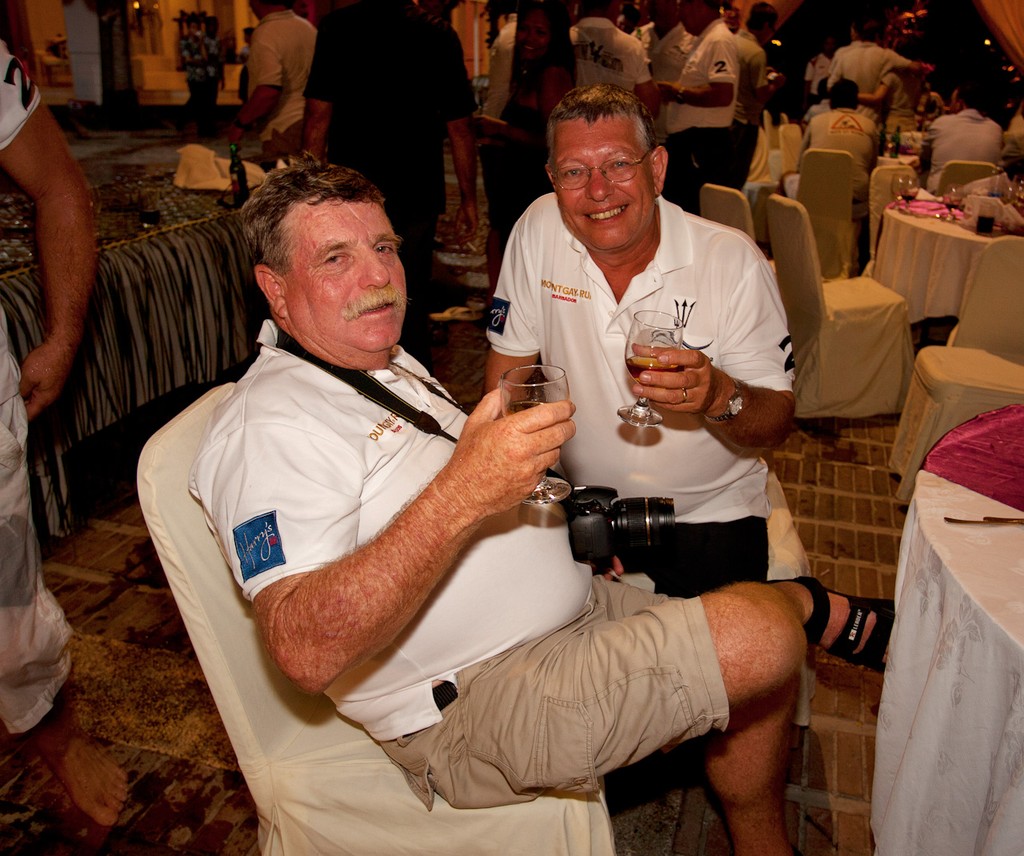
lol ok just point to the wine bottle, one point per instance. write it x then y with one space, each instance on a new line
895 153
239 180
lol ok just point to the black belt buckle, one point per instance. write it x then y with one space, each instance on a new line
444 694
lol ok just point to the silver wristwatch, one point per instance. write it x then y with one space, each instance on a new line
733 406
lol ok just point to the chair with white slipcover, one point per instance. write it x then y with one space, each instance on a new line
320 783
826 191
880 194
728 206
980 368
964 172
851 337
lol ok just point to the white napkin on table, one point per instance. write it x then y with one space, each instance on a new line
199 168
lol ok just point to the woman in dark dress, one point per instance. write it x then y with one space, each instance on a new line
513 151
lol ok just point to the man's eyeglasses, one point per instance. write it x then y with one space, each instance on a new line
616 170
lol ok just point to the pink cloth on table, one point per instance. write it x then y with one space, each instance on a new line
927 208
985 454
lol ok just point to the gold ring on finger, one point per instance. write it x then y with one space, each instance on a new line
684 395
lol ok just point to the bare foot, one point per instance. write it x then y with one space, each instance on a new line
93 780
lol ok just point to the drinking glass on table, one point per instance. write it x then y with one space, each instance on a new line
905 187
954 199
528 386
651 333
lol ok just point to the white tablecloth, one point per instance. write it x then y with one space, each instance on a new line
927 261
949 754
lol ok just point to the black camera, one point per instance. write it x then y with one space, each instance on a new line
601 524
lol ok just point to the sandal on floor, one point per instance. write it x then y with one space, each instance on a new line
852 633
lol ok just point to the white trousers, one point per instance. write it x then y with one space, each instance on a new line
34 660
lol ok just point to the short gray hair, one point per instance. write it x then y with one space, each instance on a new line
306 181
602 101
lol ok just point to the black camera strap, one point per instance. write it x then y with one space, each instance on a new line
371 388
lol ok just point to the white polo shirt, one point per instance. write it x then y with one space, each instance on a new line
605 54
713 59
552 299
668 56
297 469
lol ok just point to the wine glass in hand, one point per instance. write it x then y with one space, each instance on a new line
650 334
528 386
906 187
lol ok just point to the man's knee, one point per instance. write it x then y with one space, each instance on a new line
758 636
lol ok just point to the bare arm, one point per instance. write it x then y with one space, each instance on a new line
39 162
460 134
767 414
765 92
497 364
261 102
650 96
316 121
875 99
319 625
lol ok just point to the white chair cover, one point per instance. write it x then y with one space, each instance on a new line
851 337
949 387
980 368
760 167
728 206
771 129
320 783
790 140
880 194
826 191
992 313
964 172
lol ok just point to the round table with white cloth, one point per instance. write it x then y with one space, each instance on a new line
949 745
928 261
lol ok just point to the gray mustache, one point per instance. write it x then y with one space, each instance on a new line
388 295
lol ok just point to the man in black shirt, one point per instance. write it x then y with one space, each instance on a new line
387 82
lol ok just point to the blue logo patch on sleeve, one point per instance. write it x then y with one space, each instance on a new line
258 544
499 315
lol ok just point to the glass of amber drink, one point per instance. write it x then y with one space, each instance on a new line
651 334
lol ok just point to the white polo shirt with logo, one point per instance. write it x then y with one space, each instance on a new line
297 469
605 54
552 299
712 59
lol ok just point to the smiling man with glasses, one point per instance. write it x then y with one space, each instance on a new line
579 264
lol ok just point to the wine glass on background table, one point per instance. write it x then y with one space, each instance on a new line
529 386
954 199
650 334
905 186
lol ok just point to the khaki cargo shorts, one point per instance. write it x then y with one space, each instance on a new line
633 673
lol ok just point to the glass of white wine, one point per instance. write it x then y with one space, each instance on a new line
650 334
528 386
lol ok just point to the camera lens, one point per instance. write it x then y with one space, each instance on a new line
643 521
